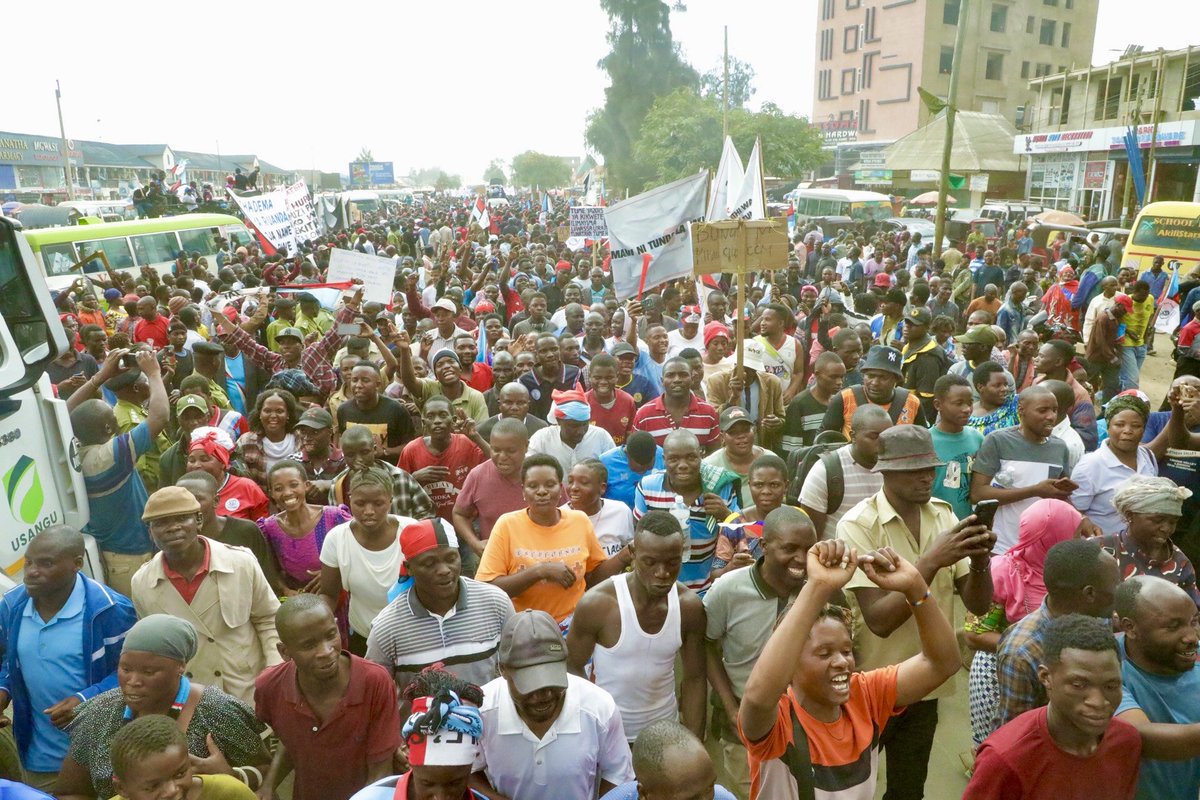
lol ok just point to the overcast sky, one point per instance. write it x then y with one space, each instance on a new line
453 89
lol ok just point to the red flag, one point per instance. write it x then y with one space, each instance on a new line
646 259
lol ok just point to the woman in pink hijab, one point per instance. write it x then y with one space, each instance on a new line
1017 590
1057 300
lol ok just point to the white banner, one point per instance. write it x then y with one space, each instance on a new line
655 222
730 175
750 202
377 273
269 213
301 213
588 222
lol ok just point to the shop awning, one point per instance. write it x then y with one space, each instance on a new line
1167 155
982 143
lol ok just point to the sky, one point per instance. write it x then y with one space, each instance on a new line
481 83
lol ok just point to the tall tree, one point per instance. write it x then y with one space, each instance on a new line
538 169
741 83
495 172
644 63
444 181
365 154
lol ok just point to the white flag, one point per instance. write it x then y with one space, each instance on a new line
655 223
479 214
749 202
730 175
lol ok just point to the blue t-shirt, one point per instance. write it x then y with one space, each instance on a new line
116 494
235 387
952 481
629 791
1181 466
622 481
1173 700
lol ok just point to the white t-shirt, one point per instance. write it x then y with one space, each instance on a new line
547 440
860 483
677 342
613 525
367 575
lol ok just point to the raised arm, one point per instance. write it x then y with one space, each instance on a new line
236 336
158 407
91 387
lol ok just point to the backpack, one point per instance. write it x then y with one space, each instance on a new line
824 448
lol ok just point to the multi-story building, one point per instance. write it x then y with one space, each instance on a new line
1076 122
871 56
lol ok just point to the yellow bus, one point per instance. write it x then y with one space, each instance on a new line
131 245
1170 230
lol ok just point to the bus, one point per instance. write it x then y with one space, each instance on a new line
1170 230
131 245
812 203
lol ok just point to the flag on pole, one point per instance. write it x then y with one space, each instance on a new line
750 200
479 214
727 183
1134 153
655 223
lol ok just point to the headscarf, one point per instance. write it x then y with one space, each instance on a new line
442 713
163 635
214 441
1017 575
571 405
1143 494
1128 401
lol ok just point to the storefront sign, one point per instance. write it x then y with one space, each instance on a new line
16 148
873 177
838 130
1170 134
1094 173
978 183
925 176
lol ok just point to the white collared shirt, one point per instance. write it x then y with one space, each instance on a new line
584 746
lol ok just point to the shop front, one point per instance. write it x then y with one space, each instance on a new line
31 168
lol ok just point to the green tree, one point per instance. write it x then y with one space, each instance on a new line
644 63
538 169
495 172
364 154
682 134
444 181
741 83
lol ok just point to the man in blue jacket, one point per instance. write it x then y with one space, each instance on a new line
59 650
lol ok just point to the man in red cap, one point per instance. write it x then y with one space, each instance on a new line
1104 343
688 334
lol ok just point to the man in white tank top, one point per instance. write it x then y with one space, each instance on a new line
782 356
632 626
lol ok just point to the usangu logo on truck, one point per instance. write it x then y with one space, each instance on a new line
26 499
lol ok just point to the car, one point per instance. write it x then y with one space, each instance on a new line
924 227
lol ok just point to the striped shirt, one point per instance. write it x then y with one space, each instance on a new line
116 493
406 637
700 418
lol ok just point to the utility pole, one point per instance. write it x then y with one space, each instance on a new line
62 145
1158 93
960 36
725 91
1126 211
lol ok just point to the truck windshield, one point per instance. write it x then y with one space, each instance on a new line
25 313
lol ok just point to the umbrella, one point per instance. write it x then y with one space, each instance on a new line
9 207
1059 218
929 199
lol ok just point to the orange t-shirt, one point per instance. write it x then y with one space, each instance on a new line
517 543
847 749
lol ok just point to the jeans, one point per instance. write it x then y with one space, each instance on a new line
1110 380
1131 365
907 740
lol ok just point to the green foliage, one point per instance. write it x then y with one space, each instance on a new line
538 169
364 154
495 172
445 181
643 64
682 135
741 83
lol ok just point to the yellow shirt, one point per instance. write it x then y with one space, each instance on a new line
517 543
872 524
218 787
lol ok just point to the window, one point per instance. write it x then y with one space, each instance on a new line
1108 97
116 250
199 240
1024 69
950 12
1066 107
989 106
995 67
1069 4
853 4
869 26
1042 70
945 60
849 81
1030 22
1066 34
1047 34
999 17
827 9
850 39
58 259
825 84
1050 2
155 248
827 44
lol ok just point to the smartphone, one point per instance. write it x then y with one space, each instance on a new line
985 512
128 361
348 329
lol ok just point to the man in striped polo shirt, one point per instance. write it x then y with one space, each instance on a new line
441 616
677 408
701 495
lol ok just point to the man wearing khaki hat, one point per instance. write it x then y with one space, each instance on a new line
952 556
220 590
546 734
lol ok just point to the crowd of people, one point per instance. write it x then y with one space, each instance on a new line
511 536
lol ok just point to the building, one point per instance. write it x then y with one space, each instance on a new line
1076 121
31 168
872 55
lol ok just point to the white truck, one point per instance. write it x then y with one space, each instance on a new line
39 459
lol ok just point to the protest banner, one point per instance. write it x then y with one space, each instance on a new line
588 222
301 213
562 233
377 273
739 246
728 182
268 213
655 222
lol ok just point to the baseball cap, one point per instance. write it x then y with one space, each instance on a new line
919 316
884 358
532 651
190 401
978 334
294 332
691 315
883 280
445 303
1124 301
624 349
209 348
315 418
732 416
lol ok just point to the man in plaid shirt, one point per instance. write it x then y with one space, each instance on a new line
1080 578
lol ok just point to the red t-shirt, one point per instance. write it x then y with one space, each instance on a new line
618 420
701 419
459 458
241 498
153 332
480 378
1021 760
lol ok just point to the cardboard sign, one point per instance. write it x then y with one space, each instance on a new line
301 213
588 222
739 246
562 233
376 272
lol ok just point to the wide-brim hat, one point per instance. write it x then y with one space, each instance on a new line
904 448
